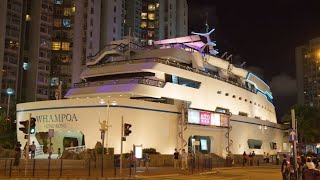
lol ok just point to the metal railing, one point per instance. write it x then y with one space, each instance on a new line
145 81
178 65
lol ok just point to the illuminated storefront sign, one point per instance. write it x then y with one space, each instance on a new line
193 116
207 118
215 119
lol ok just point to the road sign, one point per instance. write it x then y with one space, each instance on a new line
292 135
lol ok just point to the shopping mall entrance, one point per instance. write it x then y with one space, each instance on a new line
200 144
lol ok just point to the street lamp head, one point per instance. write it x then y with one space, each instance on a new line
102 101
114 103
10 91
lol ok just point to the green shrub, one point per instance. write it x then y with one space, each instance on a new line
150 151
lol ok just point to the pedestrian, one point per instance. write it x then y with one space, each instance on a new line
250 159
268 158
184 160
131 159
244 158
253 155
25 150
50 150
264 157
59 153
176 159
146 161
33 150
284 168
17 154
278 159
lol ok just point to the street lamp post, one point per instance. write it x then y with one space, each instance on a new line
9 92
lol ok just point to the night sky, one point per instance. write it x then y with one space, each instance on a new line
262 33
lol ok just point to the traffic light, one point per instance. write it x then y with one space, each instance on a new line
33 125
25 128
127 130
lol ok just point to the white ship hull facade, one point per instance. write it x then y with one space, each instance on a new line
154 125
212 93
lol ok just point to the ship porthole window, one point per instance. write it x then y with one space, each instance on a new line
240 98
255 103
219 92
234 96
245 100
227 94
250 102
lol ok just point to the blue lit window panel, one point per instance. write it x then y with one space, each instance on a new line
54 81
25 66
66 22
58 2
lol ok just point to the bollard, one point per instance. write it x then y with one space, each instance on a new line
60 167
10 168
115 166
5 168
49 167
89 173
33 167
198 163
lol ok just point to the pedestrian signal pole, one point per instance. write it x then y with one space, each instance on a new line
121 147
294 143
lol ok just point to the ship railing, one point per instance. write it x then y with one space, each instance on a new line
181 66
146 81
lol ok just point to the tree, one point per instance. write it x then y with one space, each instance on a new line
308 122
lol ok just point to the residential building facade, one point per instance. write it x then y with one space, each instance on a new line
307 59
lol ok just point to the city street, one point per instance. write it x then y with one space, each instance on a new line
261 173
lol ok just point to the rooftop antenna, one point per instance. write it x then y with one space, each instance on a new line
209 42
207 25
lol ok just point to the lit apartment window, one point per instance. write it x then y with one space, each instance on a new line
57 22
65 58
65 46
58 1
157 5
66 22
150 42
151 7
55 45
143 24
28 18
73 9
151 25
143 15
151 16
151 33
67 12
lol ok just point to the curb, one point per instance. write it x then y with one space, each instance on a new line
155 176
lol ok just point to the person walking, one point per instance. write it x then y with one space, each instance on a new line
33 150
244 158
146 161
17 154
184 160
284 168
50 150
176 159
59 153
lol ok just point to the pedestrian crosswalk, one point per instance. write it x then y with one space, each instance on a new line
191 177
